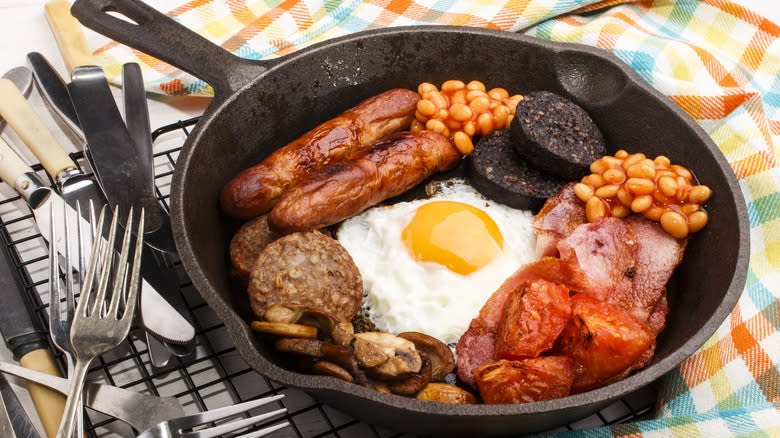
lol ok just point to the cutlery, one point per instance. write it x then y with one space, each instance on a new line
59 324
96 330
22 331
14 422
130 190
72 183
140 411
154 262
158 316
175 328
180 427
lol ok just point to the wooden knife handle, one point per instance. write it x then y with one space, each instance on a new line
21 116
49 403
11 164
68 33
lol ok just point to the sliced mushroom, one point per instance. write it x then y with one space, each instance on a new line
327 368
414 383
446 393
306 346
440 355
284 313
403 358
367 354
332 325
285 329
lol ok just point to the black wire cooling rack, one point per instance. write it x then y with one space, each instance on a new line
214 375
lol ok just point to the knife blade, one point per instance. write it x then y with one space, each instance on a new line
19 423
26 337
73 184
54 92
156 313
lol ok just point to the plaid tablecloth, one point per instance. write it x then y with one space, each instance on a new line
719 61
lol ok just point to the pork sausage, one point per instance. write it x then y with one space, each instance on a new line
254 191
340 190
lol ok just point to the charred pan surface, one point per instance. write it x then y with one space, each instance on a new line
495 169
556 134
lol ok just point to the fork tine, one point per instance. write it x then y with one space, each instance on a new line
121 272
54 278
107 258
89 277
193 420
135 274
226 428
264 431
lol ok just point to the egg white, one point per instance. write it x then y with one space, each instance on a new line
403 294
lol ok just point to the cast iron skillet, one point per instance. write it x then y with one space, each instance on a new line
259 106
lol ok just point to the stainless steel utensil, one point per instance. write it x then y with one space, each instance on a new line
181 427
59 323
94 330
25 336
158 316
72 183
126 180
140 411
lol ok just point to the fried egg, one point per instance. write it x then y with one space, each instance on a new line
429 265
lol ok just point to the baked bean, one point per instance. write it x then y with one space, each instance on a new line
463 142
620 211
438 126
654 213
614 176
667 185
476 85
675 224
699 194
625 196
640 204
460 112
500 115
607 191
470 128
426 107
452 85
595 208
655 188
485 123
459 97
594 180
583 191
480 104
473 94
425 87
640 186
696 221
498 94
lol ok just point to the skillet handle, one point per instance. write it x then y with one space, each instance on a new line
158 35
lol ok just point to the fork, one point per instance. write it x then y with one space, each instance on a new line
59 323
95 330
182 427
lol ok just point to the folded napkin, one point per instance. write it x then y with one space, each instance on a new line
717 60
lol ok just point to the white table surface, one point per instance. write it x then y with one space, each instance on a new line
23 28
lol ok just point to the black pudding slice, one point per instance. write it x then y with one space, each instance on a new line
557 135
495 170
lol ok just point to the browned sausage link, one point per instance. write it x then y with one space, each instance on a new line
390 167
255 190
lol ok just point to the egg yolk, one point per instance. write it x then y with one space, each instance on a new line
458 236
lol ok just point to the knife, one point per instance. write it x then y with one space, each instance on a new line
72 183
19 423
157 314
27 339
137 409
